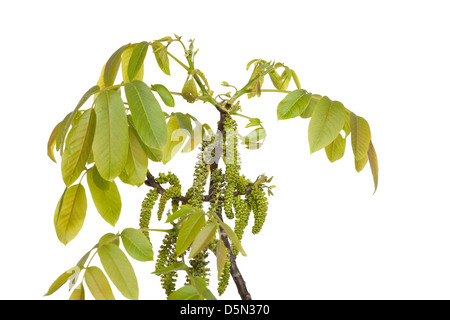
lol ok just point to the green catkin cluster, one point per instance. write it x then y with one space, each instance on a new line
199 266
216 201
195 193
242 208
258 202
173 191
232 166
224 278
146 210
166 257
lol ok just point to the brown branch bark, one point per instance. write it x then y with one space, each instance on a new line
234 270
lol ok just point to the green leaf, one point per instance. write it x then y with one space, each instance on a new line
135 169
233 237
189 231
62 279
52 142
126 55
309 110
221 255
195 139
112 66
203 238
137 60
326 123
173 267
361 163
148 118
361 136
202 288
78 146
71 116
78 293
293 104
188 292
137 244
165 95
119 270
373 160
346 127
255 139
295 77
110 144
184 122
109 238
182 211
152 153
336 149
276 79
177 137
162 58
70 213
98 284
105 195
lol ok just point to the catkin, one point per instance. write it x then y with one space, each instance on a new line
232 166
146 210
258 202
166 257
172 192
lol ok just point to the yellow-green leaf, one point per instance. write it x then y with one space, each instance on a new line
203 238
177 136
233 237
221 255
293 104
110 144
112 66
309 110
72 115
78 146
52 142
137 60
361 163
361 136
325 124
194 139
373 160
162 58
70 213
189 231
147 115
119 270
336 149
165 95
126 55
137 244
188 292
98 284
105 195
78 293
61 280
135 169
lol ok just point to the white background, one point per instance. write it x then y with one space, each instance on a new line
326 235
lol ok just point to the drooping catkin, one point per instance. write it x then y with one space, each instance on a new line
232 165
146 210
166 257
172 192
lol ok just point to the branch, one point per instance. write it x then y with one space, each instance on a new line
234 270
